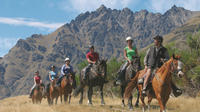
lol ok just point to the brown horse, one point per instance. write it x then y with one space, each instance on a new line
161 83
38 93
66 87
53 92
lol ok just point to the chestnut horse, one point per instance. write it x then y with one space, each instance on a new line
38 94
161 83
53 92
66 87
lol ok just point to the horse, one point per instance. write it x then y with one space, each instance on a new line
130 72
38 94
66 87
96 77
54 92
161 83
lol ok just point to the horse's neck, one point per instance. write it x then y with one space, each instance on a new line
164 71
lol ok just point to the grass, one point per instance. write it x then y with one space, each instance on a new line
24 104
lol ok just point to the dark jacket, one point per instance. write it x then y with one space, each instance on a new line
155 55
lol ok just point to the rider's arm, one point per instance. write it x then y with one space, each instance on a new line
166 54
62 70
136 52
34 80
146 57
50 77
40 80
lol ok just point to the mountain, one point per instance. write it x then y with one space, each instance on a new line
106 29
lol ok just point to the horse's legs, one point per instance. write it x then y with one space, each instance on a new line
69 98
162 108
130 105
101 92
81 97
149 101
56 100
141 97
122 95
65 98
138 96
90 92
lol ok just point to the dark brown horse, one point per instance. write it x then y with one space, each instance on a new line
130 72
66 87
161 83
53 92
38 94
96 77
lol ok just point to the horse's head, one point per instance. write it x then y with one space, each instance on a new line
101 66
136 64
177 66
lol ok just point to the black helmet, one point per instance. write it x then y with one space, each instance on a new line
159 38
91 46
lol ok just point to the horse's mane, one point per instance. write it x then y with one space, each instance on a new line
163 67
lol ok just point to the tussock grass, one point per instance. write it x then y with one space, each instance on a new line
24 104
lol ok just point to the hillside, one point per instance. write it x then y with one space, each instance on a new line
104 28
23 104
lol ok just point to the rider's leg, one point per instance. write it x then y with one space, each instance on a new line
59 80
86 71
176 91
121 73
146 80
31 92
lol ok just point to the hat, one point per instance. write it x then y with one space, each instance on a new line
53 66
37 71
67 59
128 38
159 38
91 46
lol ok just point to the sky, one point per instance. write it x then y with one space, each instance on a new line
20 19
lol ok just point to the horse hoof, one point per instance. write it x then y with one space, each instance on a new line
89 104
136 105
130 107
102 104
123 105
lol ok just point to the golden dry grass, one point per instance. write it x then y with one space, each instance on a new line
24 104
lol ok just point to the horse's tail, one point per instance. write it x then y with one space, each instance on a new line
78 89
131 85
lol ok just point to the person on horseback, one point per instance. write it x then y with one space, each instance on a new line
155 57
92 57
130 52
66 70
52 75
37 81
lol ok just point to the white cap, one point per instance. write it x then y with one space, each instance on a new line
67 59
128 38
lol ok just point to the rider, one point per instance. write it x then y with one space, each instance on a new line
37 81
66 70
92 58
154 59
130 52
52 75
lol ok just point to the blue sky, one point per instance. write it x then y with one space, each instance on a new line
22 18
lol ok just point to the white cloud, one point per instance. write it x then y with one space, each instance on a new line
90 5
164 5
6 44
30 22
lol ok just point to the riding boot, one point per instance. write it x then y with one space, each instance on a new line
176 91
